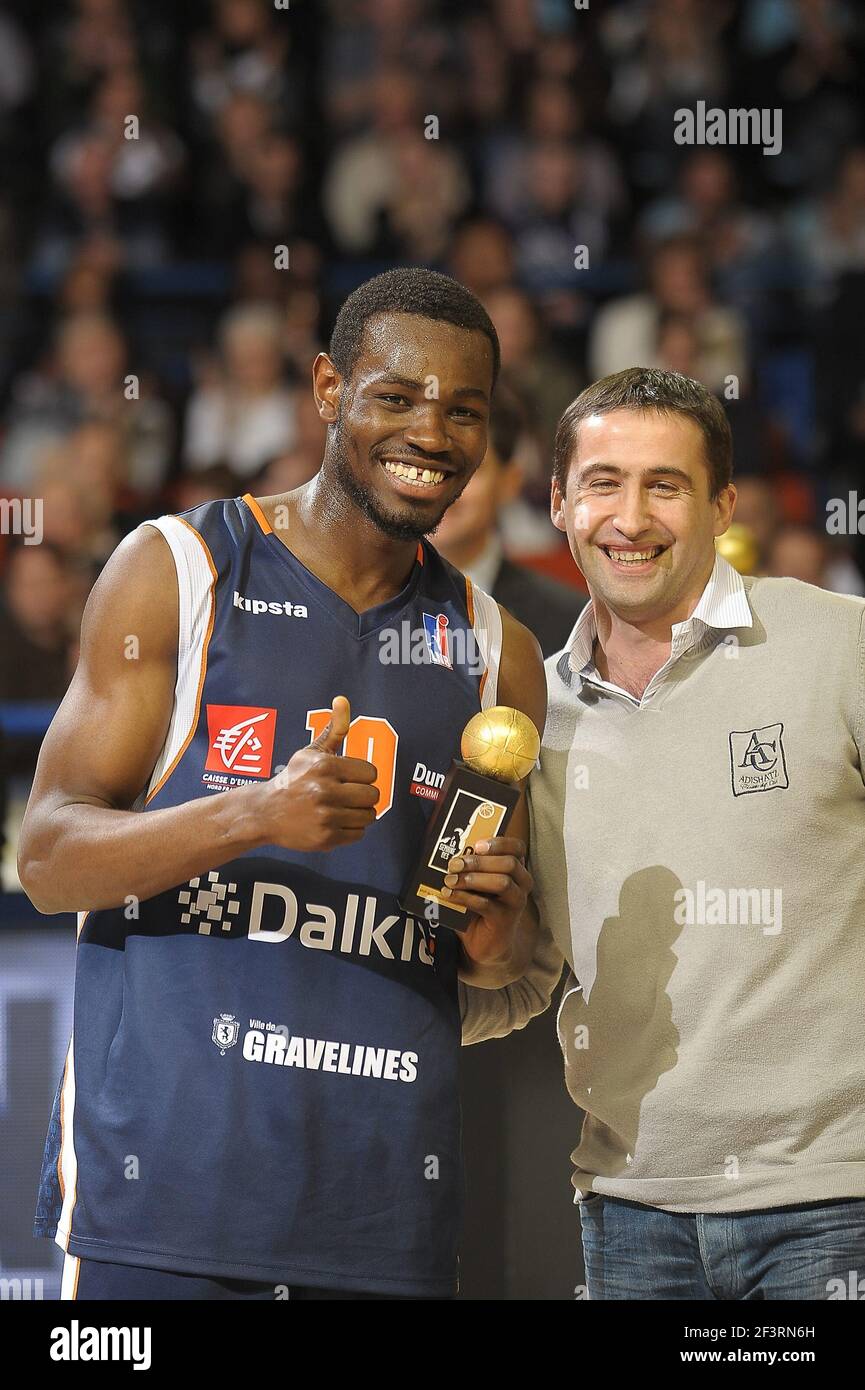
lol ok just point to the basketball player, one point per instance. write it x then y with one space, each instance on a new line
260 1095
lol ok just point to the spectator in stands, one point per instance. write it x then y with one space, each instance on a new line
468 534
253 189
482 256
802 552
88 378
625 331
241 49
812 66
84 209
241 124
98 455
554 118
546 380
389 191
273 181
798 552
559 215
65 510
662 55
37 619
114 172
739 241
829 233
244 414
85 42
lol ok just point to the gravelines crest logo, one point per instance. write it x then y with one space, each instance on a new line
757 761
226 1031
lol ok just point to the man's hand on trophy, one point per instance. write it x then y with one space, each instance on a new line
492 881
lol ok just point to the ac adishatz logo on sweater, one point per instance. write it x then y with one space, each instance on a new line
757 761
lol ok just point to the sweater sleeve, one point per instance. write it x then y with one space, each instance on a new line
493 1013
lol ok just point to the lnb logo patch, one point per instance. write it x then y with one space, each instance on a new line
757 762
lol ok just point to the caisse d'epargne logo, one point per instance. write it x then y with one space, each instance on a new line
240 739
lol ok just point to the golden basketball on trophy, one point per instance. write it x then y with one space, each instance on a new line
501 742
499 747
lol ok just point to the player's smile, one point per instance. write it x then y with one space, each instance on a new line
415 476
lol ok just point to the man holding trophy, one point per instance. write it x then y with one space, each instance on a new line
273 984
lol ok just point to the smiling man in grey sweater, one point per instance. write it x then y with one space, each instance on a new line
698 848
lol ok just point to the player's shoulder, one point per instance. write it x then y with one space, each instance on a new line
136 592
141 560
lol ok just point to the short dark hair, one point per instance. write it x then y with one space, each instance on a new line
411 290
650 388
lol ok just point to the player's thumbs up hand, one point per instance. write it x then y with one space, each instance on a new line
331 737
320 799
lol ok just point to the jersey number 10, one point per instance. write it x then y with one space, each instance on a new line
371 738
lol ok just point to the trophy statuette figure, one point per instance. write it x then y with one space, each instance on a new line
499 747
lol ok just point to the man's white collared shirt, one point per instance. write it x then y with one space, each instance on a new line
723 605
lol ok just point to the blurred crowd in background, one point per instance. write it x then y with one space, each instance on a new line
162 296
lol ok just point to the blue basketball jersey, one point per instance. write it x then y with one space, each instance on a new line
262 1077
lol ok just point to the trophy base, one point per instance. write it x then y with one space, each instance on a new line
470 807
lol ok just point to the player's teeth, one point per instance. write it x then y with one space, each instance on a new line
428 476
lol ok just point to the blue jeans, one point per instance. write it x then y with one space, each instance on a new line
812 1251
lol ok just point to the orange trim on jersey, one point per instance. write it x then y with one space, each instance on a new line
194 724
257 513
263 522
77 1277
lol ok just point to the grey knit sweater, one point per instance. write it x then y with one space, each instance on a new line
700 864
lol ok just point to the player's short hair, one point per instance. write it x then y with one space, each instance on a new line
411 290
650 388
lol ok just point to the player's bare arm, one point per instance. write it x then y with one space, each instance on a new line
500 942
81 846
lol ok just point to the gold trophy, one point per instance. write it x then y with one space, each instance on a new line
499 747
